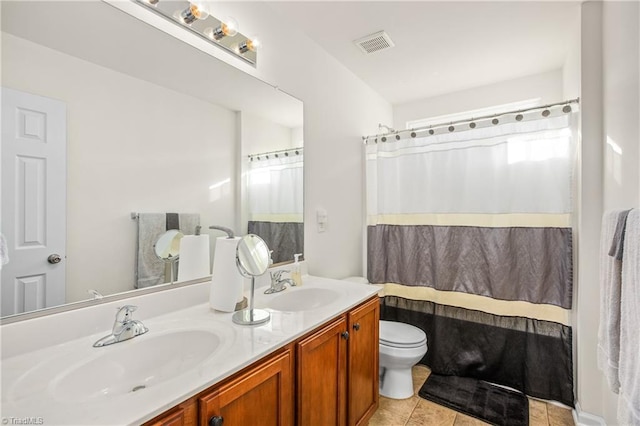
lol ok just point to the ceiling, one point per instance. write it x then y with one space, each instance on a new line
440 47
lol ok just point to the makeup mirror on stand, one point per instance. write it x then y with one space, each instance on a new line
252 259
167 249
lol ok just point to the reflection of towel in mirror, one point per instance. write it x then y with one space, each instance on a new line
150 270
629 367
4 251
188 223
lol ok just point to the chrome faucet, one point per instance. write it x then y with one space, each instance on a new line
277 282
124 328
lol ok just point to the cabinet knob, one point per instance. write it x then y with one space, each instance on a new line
356 326
345 335
216 421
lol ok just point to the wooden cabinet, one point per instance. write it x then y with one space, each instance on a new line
332 371
262 396
184 414
322 376
363 324
337 370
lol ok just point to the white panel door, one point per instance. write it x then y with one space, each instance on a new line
33 219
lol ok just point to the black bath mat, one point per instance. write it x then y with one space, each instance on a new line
489 403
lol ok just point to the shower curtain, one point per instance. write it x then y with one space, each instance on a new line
469 230
275 199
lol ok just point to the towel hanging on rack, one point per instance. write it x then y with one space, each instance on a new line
150 270
611 236
629 366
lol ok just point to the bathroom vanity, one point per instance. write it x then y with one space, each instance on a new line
329 376
314 362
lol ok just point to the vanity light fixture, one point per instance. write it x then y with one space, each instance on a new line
228 28
195 18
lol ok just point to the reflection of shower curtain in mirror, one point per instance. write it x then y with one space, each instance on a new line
470 233
275 194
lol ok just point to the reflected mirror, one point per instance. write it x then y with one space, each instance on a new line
168 245
167 249
134 128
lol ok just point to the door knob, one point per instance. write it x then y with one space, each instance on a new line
216 421
54 258
345 335
356 326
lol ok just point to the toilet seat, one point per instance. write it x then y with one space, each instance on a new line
401 335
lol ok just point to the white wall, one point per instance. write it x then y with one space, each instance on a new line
262 135
589 201
620 74
338 110
610 102
621 109
132 147
546 86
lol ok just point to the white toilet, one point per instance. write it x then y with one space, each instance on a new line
401 347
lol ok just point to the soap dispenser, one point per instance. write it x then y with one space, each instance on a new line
296 275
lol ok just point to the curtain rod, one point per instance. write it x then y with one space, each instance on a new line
413 131
277 152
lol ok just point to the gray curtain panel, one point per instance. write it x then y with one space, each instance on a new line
519 264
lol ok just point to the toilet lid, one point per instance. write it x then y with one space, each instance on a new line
401 335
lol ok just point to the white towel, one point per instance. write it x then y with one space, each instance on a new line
629 368
610 282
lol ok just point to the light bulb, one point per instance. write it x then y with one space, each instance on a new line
251 44
193 12
228 27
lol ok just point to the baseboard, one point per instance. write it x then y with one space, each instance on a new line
582 418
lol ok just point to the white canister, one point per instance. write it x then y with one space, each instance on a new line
226 281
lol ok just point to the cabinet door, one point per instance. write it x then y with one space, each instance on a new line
363 362
184 414
263 396
322 378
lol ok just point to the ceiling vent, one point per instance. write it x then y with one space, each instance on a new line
374 42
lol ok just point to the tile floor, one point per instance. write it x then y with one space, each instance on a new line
416 411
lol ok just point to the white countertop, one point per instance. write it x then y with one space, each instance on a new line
31 381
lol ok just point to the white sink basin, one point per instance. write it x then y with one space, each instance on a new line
302 299
135 365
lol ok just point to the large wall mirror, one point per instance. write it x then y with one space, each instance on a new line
114 132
